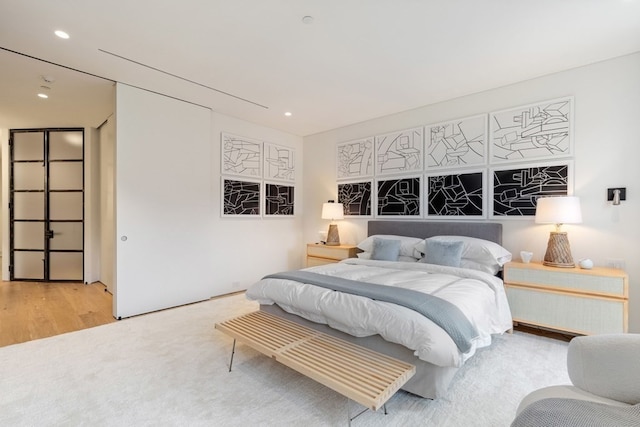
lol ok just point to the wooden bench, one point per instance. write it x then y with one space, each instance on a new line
358 373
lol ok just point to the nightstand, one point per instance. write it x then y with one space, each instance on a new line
319 254
574 300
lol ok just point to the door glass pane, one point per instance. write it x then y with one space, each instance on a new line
65 206
28 206
28 265
28 176
65 176
28 235
65 266
65 145
28 146
66 235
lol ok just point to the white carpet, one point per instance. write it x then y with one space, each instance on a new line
170 368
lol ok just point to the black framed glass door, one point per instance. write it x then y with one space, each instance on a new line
46 210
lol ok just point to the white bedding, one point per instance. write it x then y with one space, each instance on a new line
480 296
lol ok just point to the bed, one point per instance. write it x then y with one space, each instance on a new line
437 347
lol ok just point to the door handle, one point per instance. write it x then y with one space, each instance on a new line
50 234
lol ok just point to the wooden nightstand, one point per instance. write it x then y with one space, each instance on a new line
574 300
319 254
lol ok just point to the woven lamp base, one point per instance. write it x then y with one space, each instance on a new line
558 251
333 238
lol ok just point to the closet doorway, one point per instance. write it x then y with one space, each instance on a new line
46 204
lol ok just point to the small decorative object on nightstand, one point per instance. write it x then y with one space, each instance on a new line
318 254
575 300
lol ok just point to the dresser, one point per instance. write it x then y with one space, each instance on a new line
319 254
573 300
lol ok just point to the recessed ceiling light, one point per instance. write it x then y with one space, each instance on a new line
288 114
61 34
43 95
307 19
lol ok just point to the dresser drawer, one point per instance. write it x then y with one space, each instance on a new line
580 314
572 279
331 252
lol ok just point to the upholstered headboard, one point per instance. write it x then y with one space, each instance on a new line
424 229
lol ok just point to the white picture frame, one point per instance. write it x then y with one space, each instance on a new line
279 162
457 143
540 131
354 159
240 156
515 188
399 152
460 194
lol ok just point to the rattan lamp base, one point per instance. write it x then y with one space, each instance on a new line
558 251
333 238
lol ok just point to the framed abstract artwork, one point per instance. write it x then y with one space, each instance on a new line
241 156
456 195
399 152
400 196
279 162
516 189
356 197
241 198
279 199
457 143
537 131
354 159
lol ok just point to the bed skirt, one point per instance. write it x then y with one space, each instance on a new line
430 381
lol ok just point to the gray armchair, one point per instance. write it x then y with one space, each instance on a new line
605 372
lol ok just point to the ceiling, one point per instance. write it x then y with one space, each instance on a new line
257 59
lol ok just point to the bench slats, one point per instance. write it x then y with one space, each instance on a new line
358 373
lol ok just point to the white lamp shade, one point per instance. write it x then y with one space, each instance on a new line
558 210
332 211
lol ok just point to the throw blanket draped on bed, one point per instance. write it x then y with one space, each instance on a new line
441 312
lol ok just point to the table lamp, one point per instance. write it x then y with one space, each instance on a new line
558 211
332 211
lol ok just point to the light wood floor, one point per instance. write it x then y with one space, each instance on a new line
32 310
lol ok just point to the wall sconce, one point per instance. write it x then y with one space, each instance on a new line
332 211
615 195
558 211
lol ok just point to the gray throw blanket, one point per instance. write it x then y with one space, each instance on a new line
441 312
557 412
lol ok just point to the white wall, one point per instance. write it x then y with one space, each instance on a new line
178 248
607 141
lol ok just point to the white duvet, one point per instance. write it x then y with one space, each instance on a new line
480 296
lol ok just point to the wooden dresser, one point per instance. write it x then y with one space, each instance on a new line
319 254
574 300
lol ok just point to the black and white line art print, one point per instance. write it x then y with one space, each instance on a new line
515 190
538 131
356 198
354 159
279 162
399 197
456 195
279 199
399 152
241 156
457 143
240 198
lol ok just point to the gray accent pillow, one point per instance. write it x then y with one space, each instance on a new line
443 253
385 249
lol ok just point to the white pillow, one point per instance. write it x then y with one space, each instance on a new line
407 244
480 251
491 268
367 255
